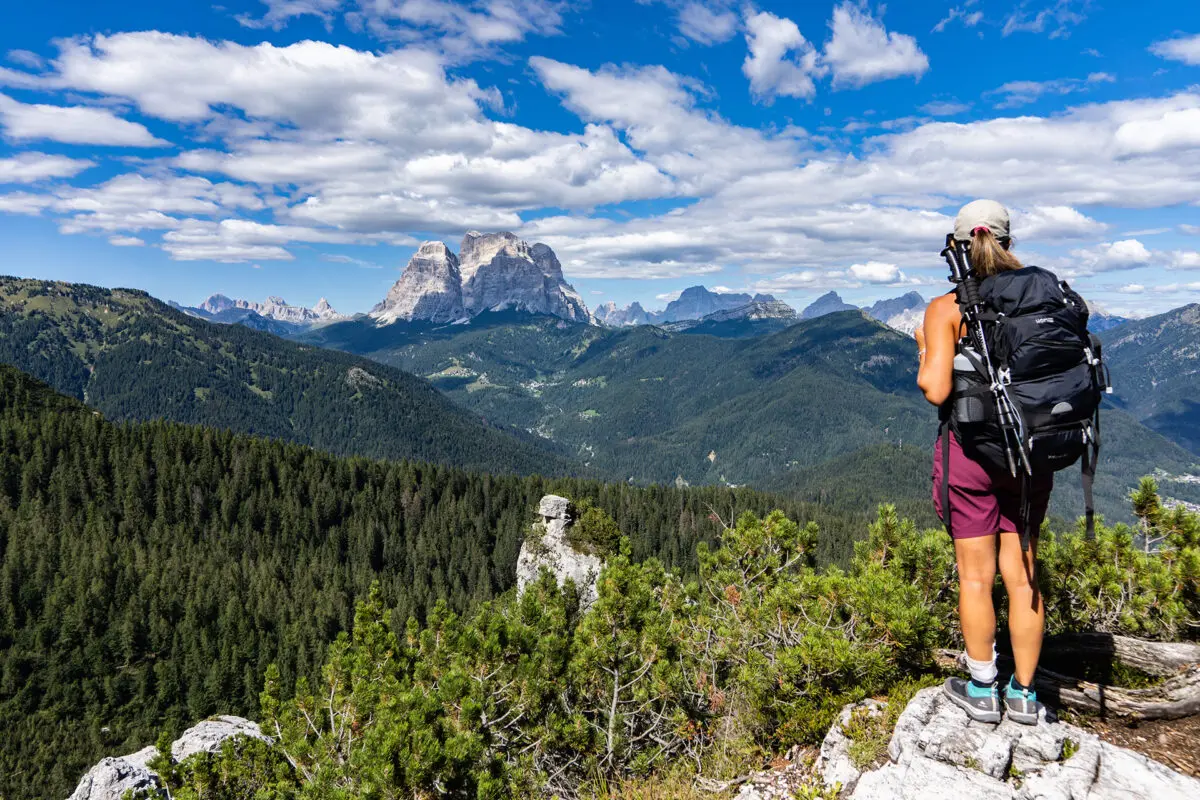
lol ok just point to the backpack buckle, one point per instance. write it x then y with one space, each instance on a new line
1004 375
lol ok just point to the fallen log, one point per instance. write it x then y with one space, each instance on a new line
1177 663
1161 659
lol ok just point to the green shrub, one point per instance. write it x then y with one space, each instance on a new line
593 530
661 678
1113 585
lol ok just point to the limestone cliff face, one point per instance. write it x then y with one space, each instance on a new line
501 271
493 271
430 289
546 546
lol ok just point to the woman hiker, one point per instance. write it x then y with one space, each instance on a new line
985 505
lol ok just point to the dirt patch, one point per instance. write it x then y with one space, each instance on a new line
1175 742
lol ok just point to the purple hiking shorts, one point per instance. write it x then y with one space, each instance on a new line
983 503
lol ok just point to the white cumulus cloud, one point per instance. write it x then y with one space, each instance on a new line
29 167
706 25
862 51
1181 48
876 272
71 125
1108 256
1055 223
781 62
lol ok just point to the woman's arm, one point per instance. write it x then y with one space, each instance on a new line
936 339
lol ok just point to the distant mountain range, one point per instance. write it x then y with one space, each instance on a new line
274 316
135 358
494 272
699 304
1156 372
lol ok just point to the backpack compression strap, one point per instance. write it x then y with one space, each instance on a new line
944 434
1091 454
1026 532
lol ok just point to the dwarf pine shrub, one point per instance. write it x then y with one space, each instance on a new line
667 677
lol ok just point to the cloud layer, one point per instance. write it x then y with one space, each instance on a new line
246 153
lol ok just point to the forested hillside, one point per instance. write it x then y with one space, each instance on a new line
647 404
132 357
827 409
1157 364
152 571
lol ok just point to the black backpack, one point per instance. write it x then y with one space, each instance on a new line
1035 328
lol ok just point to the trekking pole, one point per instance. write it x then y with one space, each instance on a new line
967 291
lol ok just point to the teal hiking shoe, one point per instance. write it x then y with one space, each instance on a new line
982 705
1021 705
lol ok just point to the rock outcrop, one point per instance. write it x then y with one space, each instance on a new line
209 735
112 777
430 289
828 303
547 547
937 751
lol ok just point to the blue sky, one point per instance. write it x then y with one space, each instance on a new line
304 148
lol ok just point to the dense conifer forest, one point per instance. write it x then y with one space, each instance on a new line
152 571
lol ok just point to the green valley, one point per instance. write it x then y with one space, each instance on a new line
826 409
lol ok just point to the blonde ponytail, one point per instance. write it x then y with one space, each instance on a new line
989 255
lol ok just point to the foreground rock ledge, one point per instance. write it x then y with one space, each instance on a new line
937 752
112 777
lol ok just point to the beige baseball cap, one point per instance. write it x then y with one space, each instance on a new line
981 214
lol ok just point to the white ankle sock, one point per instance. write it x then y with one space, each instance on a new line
982 671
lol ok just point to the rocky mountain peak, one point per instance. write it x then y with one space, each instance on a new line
430 289
493 271
632 314
216 303
828 303
883 310
696 302
324 310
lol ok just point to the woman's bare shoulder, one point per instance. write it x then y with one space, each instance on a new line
942 307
